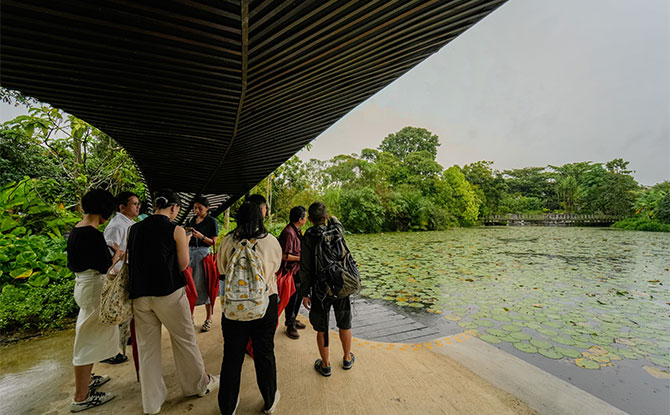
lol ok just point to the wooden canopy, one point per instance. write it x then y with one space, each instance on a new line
212 96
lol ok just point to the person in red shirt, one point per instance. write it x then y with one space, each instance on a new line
290 240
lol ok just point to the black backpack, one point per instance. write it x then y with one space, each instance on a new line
337 275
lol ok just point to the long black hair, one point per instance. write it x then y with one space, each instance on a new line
249 222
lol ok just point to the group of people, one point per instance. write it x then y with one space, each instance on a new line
157 252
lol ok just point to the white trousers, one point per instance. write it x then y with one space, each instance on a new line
174 313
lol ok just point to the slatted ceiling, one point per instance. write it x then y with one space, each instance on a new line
165 79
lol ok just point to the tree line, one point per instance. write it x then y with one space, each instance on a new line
399 186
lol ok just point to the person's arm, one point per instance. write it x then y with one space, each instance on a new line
209 239
290 257
222 254
182 247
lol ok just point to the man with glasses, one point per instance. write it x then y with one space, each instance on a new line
116 234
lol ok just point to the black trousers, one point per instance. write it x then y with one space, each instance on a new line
293 306
236 334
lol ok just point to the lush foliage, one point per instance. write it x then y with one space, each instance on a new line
400 187
48 160
48 144
642 224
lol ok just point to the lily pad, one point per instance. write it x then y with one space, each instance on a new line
490 339
563 340
525 347
587 364
511 327
550 353
540 344
519 335
566 351
547 332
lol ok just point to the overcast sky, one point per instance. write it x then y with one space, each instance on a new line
537 82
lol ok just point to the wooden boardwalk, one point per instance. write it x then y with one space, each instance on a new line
551 219
375 322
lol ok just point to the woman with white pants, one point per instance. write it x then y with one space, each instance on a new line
157 257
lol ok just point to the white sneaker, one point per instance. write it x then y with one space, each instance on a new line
212 385
274 404
93 399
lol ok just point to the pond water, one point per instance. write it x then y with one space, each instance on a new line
593 298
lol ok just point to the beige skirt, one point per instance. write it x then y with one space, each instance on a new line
93 341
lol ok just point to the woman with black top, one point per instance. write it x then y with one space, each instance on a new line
261 331
157 257
204 230
89 258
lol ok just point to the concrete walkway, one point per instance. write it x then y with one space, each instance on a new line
451 375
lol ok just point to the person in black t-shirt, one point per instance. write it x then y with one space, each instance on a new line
204 230
158 255
89 258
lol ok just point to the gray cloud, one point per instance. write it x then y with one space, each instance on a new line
535 83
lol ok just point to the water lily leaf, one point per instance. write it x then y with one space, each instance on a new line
519 335
566 351
496 332
629 354
416 305
550 353
547 332
587 364
540 344
402 303
510 327
660 360
483 323
490 339
657 373
452 317
525 347
563 340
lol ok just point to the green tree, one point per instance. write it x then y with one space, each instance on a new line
663 209
86 157
361 210
489 185
22 156
463 203
409 140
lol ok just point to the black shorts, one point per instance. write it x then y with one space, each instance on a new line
320 313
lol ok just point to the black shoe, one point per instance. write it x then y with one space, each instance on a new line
292 333
299 325
119 358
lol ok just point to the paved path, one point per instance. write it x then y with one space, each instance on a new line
455 374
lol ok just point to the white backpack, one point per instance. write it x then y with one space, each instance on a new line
245 295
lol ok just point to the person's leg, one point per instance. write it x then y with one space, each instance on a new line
289 312
318 316
323 349
235 338
262 340
148 336
82 377
342 308
345 339
174 312
208 308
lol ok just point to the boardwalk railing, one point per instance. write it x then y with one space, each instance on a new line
551 219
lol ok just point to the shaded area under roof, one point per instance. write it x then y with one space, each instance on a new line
212 96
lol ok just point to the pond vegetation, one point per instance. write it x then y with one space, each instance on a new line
593 296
